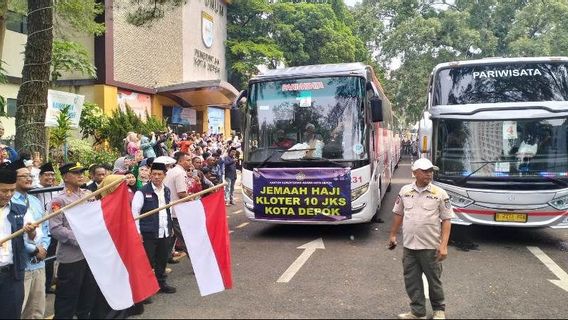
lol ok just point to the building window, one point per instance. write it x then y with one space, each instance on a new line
17 22
11 106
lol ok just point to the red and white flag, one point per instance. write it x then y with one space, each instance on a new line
204 227
107 235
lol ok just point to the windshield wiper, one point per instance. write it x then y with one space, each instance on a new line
278 149
316 159
463 181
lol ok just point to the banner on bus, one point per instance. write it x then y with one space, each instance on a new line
322 194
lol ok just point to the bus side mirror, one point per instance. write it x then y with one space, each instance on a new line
237 111
376 109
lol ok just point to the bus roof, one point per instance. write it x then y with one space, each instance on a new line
339 69
498 60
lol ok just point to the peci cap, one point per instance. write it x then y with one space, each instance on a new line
8 176
19 164
159 166
423 164
71 167
46 167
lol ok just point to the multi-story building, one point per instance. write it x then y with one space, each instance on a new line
175 68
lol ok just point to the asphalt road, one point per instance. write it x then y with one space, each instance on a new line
489 273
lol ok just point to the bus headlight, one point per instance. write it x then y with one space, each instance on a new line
560 203
247 192
359 191
459 201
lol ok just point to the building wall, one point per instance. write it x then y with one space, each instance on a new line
13 53
199 61
147 56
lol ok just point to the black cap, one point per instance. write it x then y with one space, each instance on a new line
71 167
46 167
159 166
8 176
19 164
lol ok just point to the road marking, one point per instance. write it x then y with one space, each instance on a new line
562 276
244 224
426 288
238 211
231 231
309 249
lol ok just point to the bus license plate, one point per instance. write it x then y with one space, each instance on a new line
511 217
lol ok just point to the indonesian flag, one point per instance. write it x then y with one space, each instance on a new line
204 227
107 235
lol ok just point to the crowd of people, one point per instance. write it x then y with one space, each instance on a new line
156 173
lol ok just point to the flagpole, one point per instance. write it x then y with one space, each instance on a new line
193 195
67 207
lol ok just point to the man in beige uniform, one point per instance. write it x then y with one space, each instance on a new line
424 211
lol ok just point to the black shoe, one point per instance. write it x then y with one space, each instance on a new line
136 309
173 261
232 202
167 289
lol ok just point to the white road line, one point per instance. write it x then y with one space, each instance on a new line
238 211
242 225
426 288
562 276
231 231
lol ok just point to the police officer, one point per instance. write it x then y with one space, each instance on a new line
76 286
156 230
12 253
424 211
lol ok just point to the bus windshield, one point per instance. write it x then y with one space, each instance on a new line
536 148
306 119
494 83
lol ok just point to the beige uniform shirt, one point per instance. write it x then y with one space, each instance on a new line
177 181
423 210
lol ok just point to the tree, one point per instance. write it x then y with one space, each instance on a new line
417 35
70 15
32 96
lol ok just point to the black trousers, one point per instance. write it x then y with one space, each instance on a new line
76 291
49 264
177 235
158 251
11 295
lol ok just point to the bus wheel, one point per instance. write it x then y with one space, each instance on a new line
376 218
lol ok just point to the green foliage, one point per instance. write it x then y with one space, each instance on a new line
93 122
153 124
59 134
146 12
120 123
418 34
80 15
291 33
81 151
70 56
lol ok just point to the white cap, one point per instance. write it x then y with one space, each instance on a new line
423 164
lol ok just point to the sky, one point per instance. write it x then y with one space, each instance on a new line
351 2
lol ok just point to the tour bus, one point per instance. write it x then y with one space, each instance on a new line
497 129
317 145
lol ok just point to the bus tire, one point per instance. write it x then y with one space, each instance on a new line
376 218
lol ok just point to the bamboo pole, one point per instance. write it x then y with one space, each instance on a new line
184 199
67 207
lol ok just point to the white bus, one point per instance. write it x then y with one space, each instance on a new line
498 130
317 145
